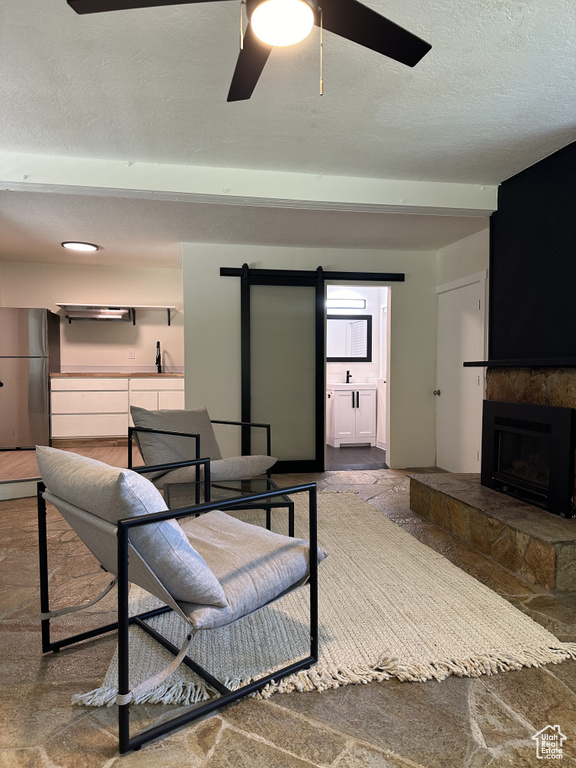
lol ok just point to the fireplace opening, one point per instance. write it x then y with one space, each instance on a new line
528 452
521 454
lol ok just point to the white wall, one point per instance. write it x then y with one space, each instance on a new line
212 342
460 260
103 346
464 257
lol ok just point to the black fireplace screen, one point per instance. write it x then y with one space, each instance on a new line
528 451
522 453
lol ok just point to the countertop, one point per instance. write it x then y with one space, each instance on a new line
126 375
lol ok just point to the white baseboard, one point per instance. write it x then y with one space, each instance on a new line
17 490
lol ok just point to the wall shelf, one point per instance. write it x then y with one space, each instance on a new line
122 312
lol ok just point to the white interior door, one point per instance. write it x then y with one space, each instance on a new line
461 316
382 385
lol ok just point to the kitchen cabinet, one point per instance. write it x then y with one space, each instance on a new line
83 407
87 407
351 415
154 393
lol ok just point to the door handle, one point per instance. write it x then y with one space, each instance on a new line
437 392
353 393
357 399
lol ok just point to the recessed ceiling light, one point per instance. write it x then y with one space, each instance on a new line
80 246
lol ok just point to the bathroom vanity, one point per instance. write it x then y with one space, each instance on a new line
351 414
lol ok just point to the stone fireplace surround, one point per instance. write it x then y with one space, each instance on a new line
534 386
535 545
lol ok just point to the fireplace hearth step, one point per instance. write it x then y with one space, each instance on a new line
535 545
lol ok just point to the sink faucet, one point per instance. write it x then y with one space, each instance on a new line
348 377
158 358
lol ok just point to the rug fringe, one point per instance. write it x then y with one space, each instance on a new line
181 693
387 668
314 679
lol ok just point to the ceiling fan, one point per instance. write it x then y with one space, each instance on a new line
347 18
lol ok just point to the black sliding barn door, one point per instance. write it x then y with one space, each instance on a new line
283 363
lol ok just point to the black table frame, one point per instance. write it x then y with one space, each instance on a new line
244 490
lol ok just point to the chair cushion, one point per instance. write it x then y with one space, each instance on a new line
234 468
113 494
253 565
164 449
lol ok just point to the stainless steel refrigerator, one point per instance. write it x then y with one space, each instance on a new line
29 353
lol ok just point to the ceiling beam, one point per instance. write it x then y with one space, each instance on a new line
239 186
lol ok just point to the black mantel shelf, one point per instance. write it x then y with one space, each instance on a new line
565 362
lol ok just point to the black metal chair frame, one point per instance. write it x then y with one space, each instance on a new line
132 434
243 424
122 625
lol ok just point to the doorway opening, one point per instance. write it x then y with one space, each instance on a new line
357 368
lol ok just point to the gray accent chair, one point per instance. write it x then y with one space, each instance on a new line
168 436
210 568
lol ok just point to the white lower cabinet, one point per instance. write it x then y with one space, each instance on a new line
351 415
89 407
155 394
100 407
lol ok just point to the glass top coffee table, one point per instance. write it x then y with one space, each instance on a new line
177 495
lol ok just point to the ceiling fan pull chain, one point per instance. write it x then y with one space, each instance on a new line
242 2
321 52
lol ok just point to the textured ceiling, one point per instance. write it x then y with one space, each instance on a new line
496 93
151 231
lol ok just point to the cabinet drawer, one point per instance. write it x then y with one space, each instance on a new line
67 385
92 425
89 402
152 401
148 400
158 384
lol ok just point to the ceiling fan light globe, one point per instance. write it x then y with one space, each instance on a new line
282 22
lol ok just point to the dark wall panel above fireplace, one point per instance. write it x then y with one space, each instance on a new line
533 263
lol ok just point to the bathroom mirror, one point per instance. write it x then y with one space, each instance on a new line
349 339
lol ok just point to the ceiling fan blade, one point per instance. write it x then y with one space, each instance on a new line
362 25
249 66
98 6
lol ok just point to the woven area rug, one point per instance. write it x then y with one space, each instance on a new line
389 607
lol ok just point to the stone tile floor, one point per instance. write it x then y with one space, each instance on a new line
457 723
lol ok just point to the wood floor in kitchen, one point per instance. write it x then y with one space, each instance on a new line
21 465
